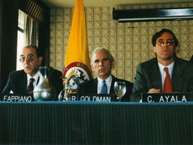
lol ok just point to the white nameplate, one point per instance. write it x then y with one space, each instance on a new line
16 98
166 97
93 97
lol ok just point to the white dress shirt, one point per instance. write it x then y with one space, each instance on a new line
100 83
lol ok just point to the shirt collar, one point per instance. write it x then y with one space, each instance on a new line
170 68
35 77
108 80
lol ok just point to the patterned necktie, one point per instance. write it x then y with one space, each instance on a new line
167 82
30 86
104 88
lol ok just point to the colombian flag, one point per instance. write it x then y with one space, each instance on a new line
77 48
77 62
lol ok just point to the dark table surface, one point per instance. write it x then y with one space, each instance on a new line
96 123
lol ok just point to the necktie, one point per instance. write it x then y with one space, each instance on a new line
167 82
104 88
30 86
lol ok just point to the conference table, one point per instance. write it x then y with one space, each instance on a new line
94 123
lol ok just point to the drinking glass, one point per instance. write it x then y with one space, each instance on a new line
120 89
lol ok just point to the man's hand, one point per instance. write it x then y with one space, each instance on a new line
153 90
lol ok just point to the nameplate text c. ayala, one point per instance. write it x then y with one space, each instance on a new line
166 97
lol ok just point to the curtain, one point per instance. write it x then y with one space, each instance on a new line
30 33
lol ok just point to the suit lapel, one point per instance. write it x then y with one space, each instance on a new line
112 85
177 76
95 84
155 76
24 81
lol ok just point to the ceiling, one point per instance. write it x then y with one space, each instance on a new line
111 3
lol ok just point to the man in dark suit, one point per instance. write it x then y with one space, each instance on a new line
31 59
150 75
101 63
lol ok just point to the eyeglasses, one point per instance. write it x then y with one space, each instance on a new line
30 58
168 42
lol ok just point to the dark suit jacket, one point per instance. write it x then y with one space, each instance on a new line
148 76
17 82
90 87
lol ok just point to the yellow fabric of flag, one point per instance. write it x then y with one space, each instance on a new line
77 48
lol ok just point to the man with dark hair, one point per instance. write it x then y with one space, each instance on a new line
31 59
101 63
152 75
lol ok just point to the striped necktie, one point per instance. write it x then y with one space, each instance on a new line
30 86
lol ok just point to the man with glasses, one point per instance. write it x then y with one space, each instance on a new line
166 73
31 59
